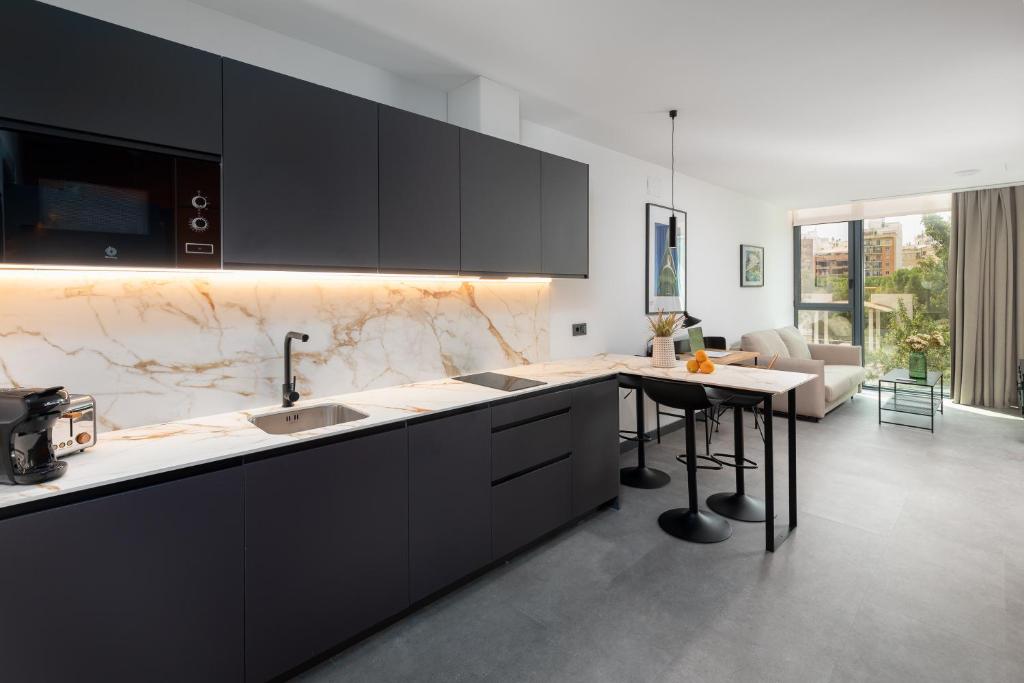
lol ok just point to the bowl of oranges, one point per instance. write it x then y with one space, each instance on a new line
700 363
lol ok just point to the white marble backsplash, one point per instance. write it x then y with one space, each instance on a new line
155 347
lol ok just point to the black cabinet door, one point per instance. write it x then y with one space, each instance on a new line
419 193
299 173
326 548
144 585
595 445
564 215
500 206
449 500
68 70
531 505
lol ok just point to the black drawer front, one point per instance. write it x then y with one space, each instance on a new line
526 409
517 449
527 507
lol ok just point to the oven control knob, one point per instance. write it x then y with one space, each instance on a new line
199 224
199 201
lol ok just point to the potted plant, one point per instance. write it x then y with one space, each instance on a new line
916 346
663 349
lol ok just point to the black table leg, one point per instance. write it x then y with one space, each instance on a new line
792 459
769 476
642 476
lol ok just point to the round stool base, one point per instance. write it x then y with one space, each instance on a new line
698 527
738 506
643 477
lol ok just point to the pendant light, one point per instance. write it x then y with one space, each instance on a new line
672 218
688 320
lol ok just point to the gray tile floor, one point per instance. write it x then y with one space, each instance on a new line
908 565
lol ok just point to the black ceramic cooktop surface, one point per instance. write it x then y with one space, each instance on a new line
495 380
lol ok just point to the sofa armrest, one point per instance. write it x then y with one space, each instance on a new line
836 354
810 397
809 365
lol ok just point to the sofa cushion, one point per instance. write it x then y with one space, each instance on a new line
841 380
795 342
765 342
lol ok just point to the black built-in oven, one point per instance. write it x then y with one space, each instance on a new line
89 202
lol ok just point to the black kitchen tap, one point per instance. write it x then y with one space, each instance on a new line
288 394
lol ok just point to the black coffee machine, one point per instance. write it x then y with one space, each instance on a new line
27 417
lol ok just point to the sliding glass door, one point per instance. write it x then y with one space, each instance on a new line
875 283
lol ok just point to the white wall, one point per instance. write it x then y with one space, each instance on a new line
612 303
612 300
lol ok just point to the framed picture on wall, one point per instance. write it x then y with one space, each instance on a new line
751 266
665 271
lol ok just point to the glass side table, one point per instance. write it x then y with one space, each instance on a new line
910 396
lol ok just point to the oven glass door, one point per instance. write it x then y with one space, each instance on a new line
72 202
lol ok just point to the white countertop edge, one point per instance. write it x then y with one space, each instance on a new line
157 449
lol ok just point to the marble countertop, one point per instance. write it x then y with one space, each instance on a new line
143 451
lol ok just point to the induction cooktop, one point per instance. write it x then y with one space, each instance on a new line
501 382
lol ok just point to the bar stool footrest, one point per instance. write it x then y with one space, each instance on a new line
729 460
710 458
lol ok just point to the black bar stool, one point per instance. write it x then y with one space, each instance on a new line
689 523
683 346
737 504
641 476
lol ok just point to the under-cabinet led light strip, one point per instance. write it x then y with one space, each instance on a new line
262 275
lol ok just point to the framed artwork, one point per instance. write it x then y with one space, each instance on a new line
665 271
751 266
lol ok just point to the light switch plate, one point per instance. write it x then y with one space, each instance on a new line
579 329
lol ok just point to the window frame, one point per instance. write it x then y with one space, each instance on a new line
855 281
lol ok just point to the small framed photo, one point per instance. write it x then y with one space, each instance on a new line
751 266
665 269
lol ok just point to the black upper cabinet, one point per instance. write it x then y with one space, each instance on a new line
138 586
595 445
419 193
326 548
500 206
71 71
299 173
565 215
449 500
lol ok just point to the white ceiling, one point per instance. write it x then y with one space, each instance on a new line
799 102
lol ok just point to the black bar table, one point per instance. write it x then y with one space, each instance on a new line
766 384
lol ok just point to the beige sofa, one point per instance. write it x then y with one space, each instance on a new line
838 367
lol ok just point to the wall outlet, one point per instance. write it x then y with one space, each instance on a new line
579 329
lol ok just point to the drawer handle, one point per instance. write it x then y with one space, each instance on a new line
534 468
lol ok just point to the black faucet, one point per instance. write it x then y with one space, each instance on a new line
288 394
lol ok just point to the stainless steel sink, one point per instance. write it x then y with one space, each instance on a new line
301 419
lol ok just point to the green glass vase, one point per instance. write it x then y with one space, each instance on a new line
918 365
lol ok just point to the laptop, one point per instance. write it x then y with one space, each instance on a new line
697 344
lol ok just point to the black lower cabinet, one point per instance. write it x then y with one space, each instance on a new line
144 585
326 548
595 445
449 500
531 505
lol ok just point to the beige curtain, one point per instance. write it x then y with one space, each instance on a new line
986 295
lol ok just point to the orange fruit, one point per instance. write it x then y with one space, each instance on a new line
701 356
692 365
707 367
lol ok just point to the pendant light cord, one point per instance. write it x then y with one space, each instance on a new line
672 116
